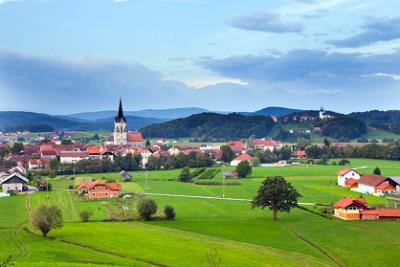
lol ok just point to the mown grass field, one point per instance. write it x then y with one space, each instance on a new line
206 232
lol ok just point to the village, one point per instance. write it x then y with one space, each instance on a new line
39 156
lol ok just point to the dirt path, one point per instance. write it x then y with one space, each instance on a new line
312 244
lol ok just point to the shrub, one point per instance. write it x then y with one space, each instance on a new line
169 212
343 162
146 208
70 187
85 215
243 169
185 175
377 171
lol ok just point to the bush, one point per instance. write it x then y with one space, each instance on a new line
185 175
243 169
377 171
169 212
146 208
70 187
85 215
343 162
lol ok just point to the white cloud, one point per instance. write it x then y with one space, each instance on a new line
198 84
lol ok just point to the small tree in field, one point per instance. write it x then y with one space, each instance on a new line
377 171
243 168
169 212
85 215
185 175
276 194
146 208
46 218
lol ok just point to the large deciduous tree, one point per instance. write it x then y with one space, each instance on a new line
276 194
227 153
46 218
243 169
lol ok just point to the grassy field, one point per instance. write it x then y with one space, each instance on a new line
206 232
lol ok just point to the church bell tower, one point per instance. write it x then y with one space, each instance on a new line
120 131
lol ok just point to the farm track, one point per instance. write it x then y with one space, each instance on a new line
103 251
25 252
314 245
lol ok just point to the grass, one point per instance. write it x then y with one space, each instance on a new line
206 230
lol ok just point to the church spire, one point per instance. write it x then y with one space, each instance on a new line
120 116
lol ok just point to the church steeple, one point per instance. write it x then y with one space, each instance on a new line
120 117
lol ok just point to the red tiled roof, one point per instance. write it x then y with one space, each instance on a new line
49 153
114 186
237 146
111 186
344 171
384 186
94 149
244 157
372 179
135 137
46 147
347 201
382 212
74 154
351 182
300 153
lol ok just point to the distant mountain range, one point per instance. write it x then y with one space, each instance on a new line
180 121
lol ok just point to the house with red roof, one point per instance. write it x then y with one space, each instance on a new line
376 185
346 174
242 157
69 157
265 144
300 154
37 164
237 147
135 138
349 208
99 189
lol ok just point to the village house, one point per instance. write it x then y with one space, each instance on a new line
265 145
243 157
349 208
99 189
347 177
376 185
237 147
34 164
70 157
14 182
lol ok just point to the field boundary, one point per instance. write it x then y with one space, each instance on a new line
221 198
327 254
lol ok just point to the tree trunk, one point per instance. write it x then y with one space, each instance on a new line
274 214
44 232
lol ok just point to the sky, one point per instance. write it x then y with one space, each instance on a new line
68 56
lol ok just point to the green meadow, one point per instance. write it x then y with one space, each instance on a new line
206 232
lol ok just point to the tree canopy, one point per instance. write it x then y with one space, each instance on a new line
46 218
276 194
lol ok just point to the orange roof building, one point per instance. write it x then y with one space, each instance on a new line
99 189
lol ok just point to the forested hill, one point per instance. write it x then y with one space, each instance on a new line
387 120
212 125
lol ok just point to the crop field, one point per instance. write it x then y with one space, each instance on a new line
206 232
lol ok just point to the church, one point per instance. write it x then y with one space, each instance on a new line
121 134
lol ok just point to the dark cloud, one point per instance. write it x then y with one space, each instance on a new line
374 30
265 22
305 65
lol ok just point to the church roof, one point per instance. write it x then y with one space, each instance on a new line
120 117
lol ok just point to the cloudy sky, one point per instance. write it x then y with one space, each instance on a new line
67 56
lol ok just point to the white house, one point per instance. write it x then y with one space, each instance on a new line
243 157
345 175
173 151
69 157
15 182
265 145
375 185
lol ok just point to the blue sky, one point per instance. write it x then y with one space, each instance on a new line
64 56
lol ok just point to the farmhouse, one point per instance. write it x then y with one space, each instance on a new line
15 182
349 208
243 157
69 157
267 144
99 189
347 175
375 185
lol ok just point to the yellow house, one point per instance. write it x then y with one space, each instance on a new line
349 208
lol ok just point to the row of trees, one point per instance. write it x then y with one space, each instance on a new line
193 160
389 151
